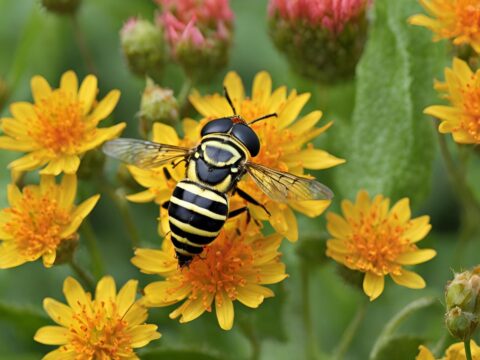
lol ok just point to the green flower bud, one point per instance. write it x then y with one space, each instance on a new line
157 105
61 6
463 305
143 47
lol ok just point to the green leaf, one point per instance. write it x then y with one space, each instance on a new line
25 319
390 146
399 348
178 354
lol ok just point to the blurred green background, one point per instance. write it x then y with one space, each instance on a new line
389 145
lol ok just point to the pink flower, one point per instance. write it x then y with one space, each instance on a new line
330 14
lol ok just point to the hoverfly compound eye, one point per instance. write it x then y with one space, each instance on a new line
222 126
247 137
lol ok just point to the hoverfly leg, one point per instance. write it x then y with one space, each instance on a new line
251 200
165 205
237 212
175 164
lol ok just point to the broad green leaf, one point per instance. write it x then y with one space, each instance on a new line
390 146
25 319
399 347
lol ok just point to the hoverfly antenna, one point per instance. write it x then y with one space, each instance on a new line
229 100
263 118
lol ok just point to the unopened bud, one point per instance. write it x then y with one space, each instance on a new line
322 39
157 105
66 250
143 47
61 6
462 301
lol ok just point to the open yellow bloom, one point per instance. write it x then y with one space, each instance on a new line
60 126
462 89
108 327
379 241
233 267
452 19
454 352
282 140
40 219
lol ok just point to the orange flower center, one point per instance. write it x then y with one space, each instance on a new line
376 241
471 104
222 268
36 224
59 125
468 17
101 334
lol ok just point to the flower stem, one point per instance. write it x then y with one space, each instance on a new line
82 274
92 246
350 331
182 98
249 332
122 206
468 351
82 45
311 348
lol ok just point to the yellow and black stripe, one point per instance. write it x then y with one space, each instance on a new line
196 213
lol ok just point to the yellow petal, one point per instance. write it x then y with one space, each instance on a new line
163 293
52 335
14 195
75 295
126 296
270 273
60 313
28 162
54 167
61 354
151 261
311 208
71 164
105 107
165 134
48 258
141 197
23 111
462 70
8 143
291 110
363 201
10 257
424 354
233 84
409 279
416 257
252 295
69 82
373 285
444 113
418 229
87 93
277 99
68 191
141 335
306 123
314 159
283 220
261 89
337 226
195 308
40 88
401 210
224 310
102 135
85 207
136 315
106 290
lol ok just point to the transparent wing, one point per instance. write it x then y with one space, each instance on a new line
283 187
144 154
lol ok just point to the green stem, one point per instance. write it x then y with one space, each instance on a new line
82 45
82 274
311 347
124 210
249 332
350 331
182 98
91 242
468 351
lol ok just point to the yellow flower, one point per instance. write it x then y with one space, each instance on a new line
454 352
39 220
232 268
108 327
282 140
60 126
462 90
377 241
452 19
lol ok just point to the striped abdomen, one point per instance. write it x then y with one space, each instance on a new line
196 216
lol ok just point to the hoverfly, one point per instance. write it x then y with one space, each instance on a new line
198 207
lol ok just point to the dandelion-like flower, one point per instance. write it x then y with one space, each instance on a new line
462 89
110 326
233 267
282 141
454 352
60 126
379 241
40 219
458 20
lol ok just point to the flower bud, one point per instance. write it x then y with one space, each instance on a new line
199 34
462 301
322 39
157 105
143 47
61 6
66 250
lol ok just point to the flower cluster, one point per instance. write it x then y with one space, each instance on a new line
454 352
